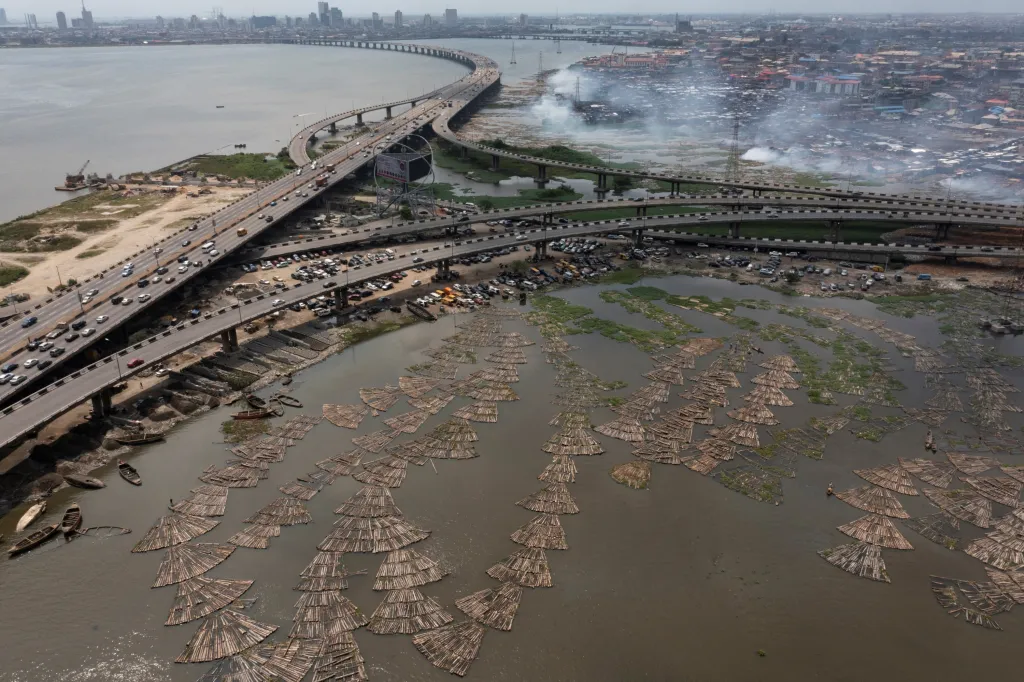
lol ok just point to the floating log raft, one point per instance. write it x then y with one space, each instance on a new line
718 376
352 534
938 474
1014 472
453 647
415 387
483 411
1010 583
380 399
892 477
526 567
637 409
755 413
235 669
506 374
654 392
876 530
233 476
986 597
342 465
300 491
578 399
561 470
944 590
558 345
858 558
405 568
255 536
995 553
199 597
782 363
454 430
694 413
1002 489
670 430
370 502
659 451
206 500
938 528
387 471
507 356
682 360
931 417
406 612
669 374
970 464
325 572
291 659
702 464
409 422
543 532
340 660
376 441
224 634
742 434
412 451
708 394
437 369
321 613
571 419
433 405
721 450
777 379
190 560
284 511
965 505
628 429
440 449
174 529
492 391
513 340
572 441
873 499
552 499
635 474
493 607
946 400
831 424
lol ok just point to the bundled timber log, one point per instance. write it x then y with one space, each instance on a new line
702 464
386 534
873 499
1014 472
654 392
224 634
561 470
291 659
526 567
776 379
682 360
995 553
945 593
858 558
971 464
255 536
199 597
328 611
571 419
433 405
233 476
491 391
405 568
412 451
831 424
513 340
659 451
482 411
669 431
437 369
454 430
507 356
189 561
453 647
341 465
380 399
628 429
206 500
409 422
340 660
174 529
696 413
938 528
572 441
544 532
493 607
669 374
503 374
965 505
1002 489
986 597
1010 583
388 471
876 530
782 363
283 511
370 502
635 474
640 409
414 387
742 434
324 573
717 376
755 413
300 490
721 450
892 477
552 499
376 441
406 612
441 449
938 474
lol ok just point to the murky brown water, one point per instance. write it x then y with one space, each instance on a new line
684 581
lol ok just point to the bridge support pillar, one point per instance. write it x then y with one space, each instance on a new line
835 231
641 211
387 112
675 189
542 250
495 162
341 298
942 230
951 259
638 239
542 175
359 119
97 406
229 340
734 230
464 152
333 128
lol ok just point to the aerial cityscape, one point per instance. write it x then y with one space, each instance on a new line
389 345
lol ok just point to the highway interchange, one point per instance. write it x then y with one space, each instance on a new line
28 413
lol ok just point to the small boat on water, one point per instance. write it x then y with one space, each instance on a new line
141 439
256 402
253 414
287 380
288 400
72 520
129 473
33 513
82 481
33 540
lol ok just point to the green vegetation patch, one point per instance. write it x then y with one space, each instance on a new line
90 253
524 197
242 166
560 310
9 274
91 226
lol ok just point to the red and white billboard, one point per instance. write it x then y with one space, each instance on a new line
392 168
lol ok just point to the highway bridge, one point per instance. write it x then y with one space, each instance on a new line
283 197
94 381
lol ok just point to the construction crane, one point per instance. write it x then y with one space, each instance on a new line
76 179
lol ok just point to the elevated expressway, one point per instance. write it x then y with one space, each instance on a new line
29 413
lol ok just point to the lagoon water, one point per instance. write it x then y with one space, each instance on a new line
686 580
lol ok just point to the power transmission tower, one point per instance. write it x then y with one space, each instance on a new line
513 53
732 164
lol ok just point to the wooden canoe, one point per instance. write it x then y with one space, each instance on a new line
288 400
129 473
253 414
33 513
72 520
256 402
141 440
33 540
81 481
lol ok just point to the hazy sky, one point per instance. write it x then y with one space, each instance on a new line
46 9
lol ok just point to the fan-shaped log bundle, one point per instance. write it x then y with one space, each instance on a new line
224 634
174 529
552 499
544 531
526 567
453 647
386 534
405 568
493 607
406 612
635 474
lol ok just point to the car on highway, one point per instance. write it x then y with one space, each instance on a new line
182 268
31 362
278 301
73 336
5 377
56 352
170 279
54 334
187 242
273 203
127 300
44 364
144 297
328 285
101 319
88 331
77 324
135 362
162 270
213 253
142 283
126 273
17 379
28 322
193 227
260 216
9 368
